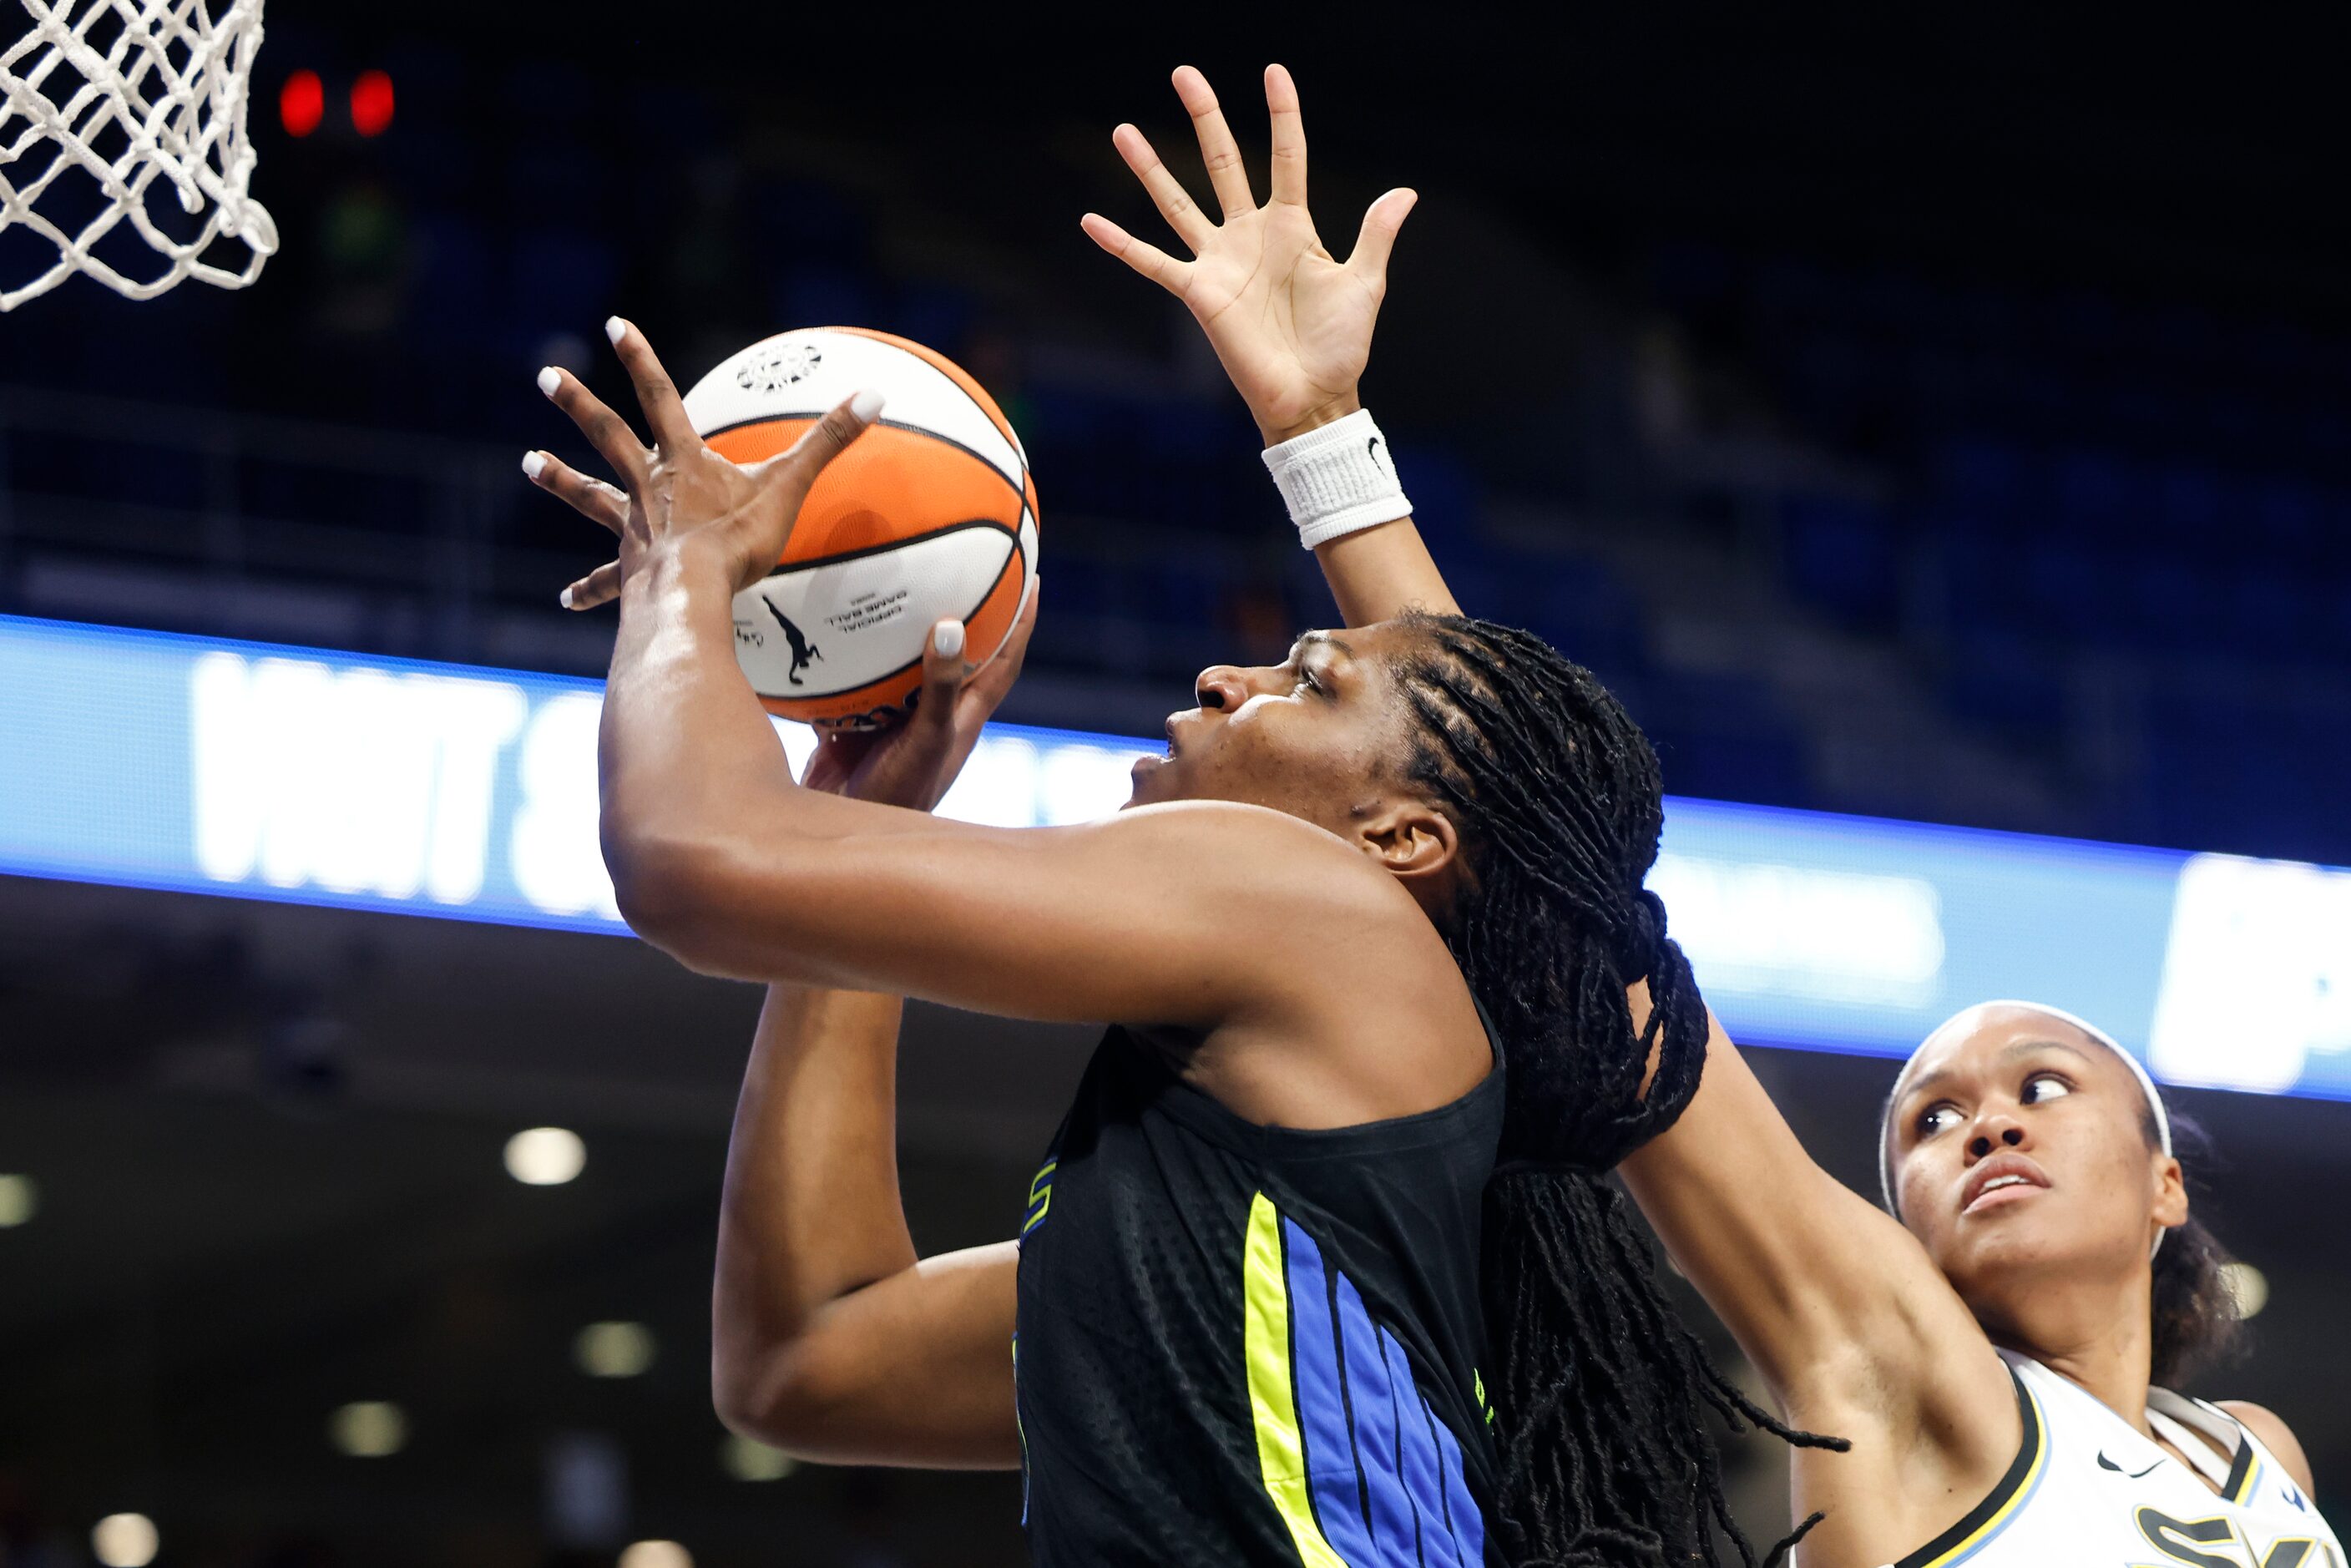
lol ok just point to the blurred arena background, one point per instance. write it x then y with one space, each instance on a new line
1934 417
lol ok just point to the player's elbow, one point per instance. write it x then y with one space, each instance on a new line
738 1395
665 889
781 1397
710 901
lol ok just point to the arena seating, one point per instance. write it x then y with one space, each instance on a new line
2150 502
2098 531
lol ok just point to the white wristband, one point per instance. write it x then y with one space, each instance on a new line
1338 479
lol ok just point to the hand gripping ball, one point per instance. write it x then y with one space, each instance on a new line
929 516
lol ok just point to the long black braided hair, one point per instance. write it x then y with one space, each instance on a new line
1556 795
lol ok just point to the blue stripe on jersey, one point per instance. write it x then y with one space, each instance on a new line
1447 1548
1321 1407
1416 1460
1373 1400
1460 1507
1384 1478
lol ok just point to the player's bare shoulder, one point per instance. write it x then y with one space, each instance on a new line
2270 1428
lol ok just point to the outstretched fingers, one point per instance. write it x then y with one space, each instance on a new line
1227 174
606 506
601 586
1140 254
827 439
1289 137
607 432
656 394
1369 259
1167 193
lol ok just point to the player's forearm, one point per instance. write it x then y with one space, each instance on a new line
683 741
811 1210
1379 573
1799 1268
689 763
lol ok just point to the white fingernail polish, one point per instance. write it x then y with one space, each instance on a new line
867 406
613 327
550 378
564 598
532 461
947 638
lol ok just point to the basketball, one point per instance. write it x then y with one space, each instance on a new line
931 516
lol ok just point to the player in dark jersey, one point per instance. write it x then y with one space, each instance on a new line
1997 1341
1310 1211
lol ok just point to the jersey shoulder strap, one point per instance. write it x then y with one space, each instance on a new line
2007 1496
2210 1438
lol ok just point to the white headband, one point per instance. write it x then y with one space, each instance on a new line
1902 1080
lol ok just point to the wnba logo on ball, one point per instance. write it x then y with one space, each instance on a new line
775 371
803 651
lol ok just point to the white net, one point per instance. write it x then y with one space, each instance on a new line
124 122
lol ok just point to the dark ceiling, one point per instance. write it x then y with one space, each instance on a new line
2184 151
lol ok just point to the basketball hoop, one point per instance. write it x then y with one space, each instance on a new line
104 99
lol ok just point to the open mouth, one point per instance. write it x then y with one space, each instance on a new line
1147 764
1174 731
2000 1180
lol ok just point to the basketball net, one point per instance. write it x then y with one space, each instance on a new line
120 94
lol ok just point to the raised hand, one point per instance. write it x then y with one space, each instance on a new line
1292 326
678 489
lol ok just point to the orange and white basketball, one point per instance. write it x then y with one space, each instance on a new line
931 516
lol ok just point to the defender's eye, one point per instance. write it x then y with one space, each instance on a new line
2045 1086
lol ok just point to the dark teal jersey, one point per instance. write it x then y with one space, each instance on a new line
1254 1346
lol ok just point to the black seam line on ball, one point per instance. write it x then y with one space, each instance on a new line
992 416
1019 551
781 570
979 457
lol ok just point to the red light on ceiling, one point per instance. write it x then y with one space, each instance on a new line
371 103
300 103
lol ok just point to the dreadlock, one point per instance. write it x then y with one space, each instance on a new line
1556 794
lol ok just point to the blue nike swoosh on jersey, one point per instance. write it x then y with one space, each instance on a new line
2294 1498
2106 1464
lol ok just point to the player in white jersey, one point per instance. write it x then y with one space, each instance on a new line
1966 1151
1994 1354
2087 1487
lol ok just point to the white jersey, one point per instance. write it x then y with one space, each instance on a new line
2089 1490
